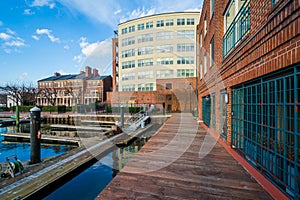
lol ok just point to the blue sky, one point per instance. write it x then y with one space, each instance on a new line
40 37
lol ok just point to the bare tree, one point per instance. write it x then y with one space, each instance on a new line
75 94
20 94
50 94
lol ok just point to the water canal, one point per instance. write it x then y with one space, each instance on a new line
89 183
22 150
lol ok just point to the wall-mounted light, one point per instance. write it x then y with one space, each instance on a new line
226 98
207 98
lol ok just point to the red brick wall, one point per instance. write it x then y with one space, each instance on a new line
183 96
272 43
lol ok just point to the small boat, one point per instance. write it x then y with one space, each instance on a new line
20 117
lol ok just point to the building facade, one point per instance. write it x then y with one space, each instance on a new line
70 90
249 83
152 49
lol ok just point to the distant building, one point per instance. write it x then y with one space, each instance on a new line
150 50
3 100
11 101
69 90
249 83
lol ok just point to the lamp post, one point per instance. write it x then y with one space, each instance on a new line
190 97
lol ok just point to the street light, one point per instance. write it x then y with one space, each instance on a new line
190 97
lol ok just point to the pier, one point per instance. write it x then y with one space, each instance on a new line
47 139
53 174
179 163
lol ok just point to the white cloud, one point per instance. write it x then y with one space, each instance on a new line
1 23
28 12
4 36
101 11
8 51
67 47
23 76
113 12
78 58
177 5
97 54
35 37
18 42
102 48
11 41
137 13
118 11
48 33
83 42
41 3
11 32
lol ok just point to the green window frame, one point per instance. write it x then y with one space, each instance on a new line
266 126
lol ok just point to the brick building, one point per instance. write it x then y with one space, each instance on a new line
171 94
69 90
152 50
249 83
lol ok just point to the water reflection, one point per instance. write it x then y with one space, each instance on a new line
89 183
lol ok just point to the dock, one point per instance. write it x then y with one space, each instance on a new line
54 174
79 128
183 161
46 139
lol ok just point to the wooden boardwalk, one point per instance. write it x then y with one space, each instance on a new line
169 166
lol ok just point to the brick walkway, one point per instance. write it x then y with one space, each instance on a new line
169 166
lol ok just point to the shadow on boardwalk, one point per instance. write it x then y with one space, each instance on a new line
169 166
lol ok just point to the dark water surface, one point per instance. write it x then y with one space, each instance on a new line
88 184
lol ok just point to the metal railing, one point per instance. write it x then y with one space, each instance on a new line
238 29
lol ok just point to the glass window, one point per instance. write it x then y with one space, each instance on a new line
165 74
131 29
212 51
149 25
164 61
160 23
168 86
128 41
141 26
273 2
205 25
180 22
145 38
145 62
166 35
190 21
145 75
145 50
212 7
128 65
185 34
169 22
205 63
164 48
185 47
124 31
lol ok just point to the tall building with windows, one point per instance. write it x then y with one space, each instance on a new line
249 83
154 48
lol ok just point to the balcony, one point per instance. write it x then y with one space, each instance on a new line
238 29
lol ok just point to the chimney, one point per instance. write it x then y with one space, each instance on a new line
88 71
95 72
56 74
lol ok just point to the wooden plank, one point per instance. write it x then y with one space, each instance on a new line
86 128
181 173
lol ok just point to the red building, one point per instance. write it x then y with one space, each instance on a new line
249 83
